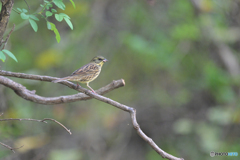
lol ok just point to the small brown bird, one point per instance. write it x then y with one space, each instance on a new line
86 73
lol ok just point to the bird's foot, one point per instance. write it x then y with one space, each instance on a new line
77 85
93 91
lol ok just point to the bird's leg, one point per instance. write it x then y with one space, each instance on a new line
78 85
91 88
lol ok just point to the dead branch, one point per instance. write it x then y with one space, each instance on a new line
8 36
21 119
29 95
12 149
50 119
44 121
29 119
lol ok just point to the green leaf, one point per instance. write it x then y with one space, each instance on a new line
41 5
54 29
49 26
69 22
2 56
33 24
59 17
33 17
24 16
24 11
46 1
10 54
19 9
64 15
53 10
49 5
59 4
73 3
48 13
42 16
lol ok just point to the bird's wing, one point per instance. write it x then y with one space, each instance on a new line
86 70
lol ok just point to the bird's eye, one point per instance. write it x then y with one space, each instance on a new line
99 59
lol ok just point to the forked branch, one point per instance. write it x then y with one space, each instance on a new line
26 94
37 120
29 119
11 148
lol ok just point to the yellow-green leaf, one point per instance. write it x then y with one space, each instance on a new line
2 56
54 29
73 3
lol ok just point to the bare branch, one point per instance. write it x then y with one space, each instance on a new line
29 95
21 119
68 130
27 5
44 121
132 112
8 36
12 149
114 85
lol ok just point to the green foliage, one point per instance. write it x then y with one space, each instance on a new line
47 11
61 16
49 14
218 83
52 27
30 17
3 57
33 24
59 4
73 3
186 32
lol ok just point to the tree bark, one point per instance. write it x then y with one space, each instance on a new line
4 17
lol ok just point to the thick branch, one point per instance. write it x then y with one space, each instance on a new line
31 96
114 85
23 92
4 16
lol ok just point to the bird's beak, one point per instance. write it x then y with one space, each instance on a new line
105 60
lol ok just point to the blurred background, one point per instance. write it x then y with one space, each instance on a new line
180 62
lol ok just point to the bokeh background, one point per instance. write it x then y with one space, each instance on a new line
180 62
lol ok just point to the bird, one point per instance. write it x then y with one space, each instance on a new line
86 73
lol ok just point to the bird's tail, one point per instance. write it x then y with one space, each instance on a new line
60 80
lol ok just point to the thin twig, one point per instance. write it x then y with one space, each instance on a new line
12 149
68 130
27 5
44 121
8 36
21 119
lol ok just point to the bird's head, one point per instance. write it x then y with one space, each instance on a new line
100 60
